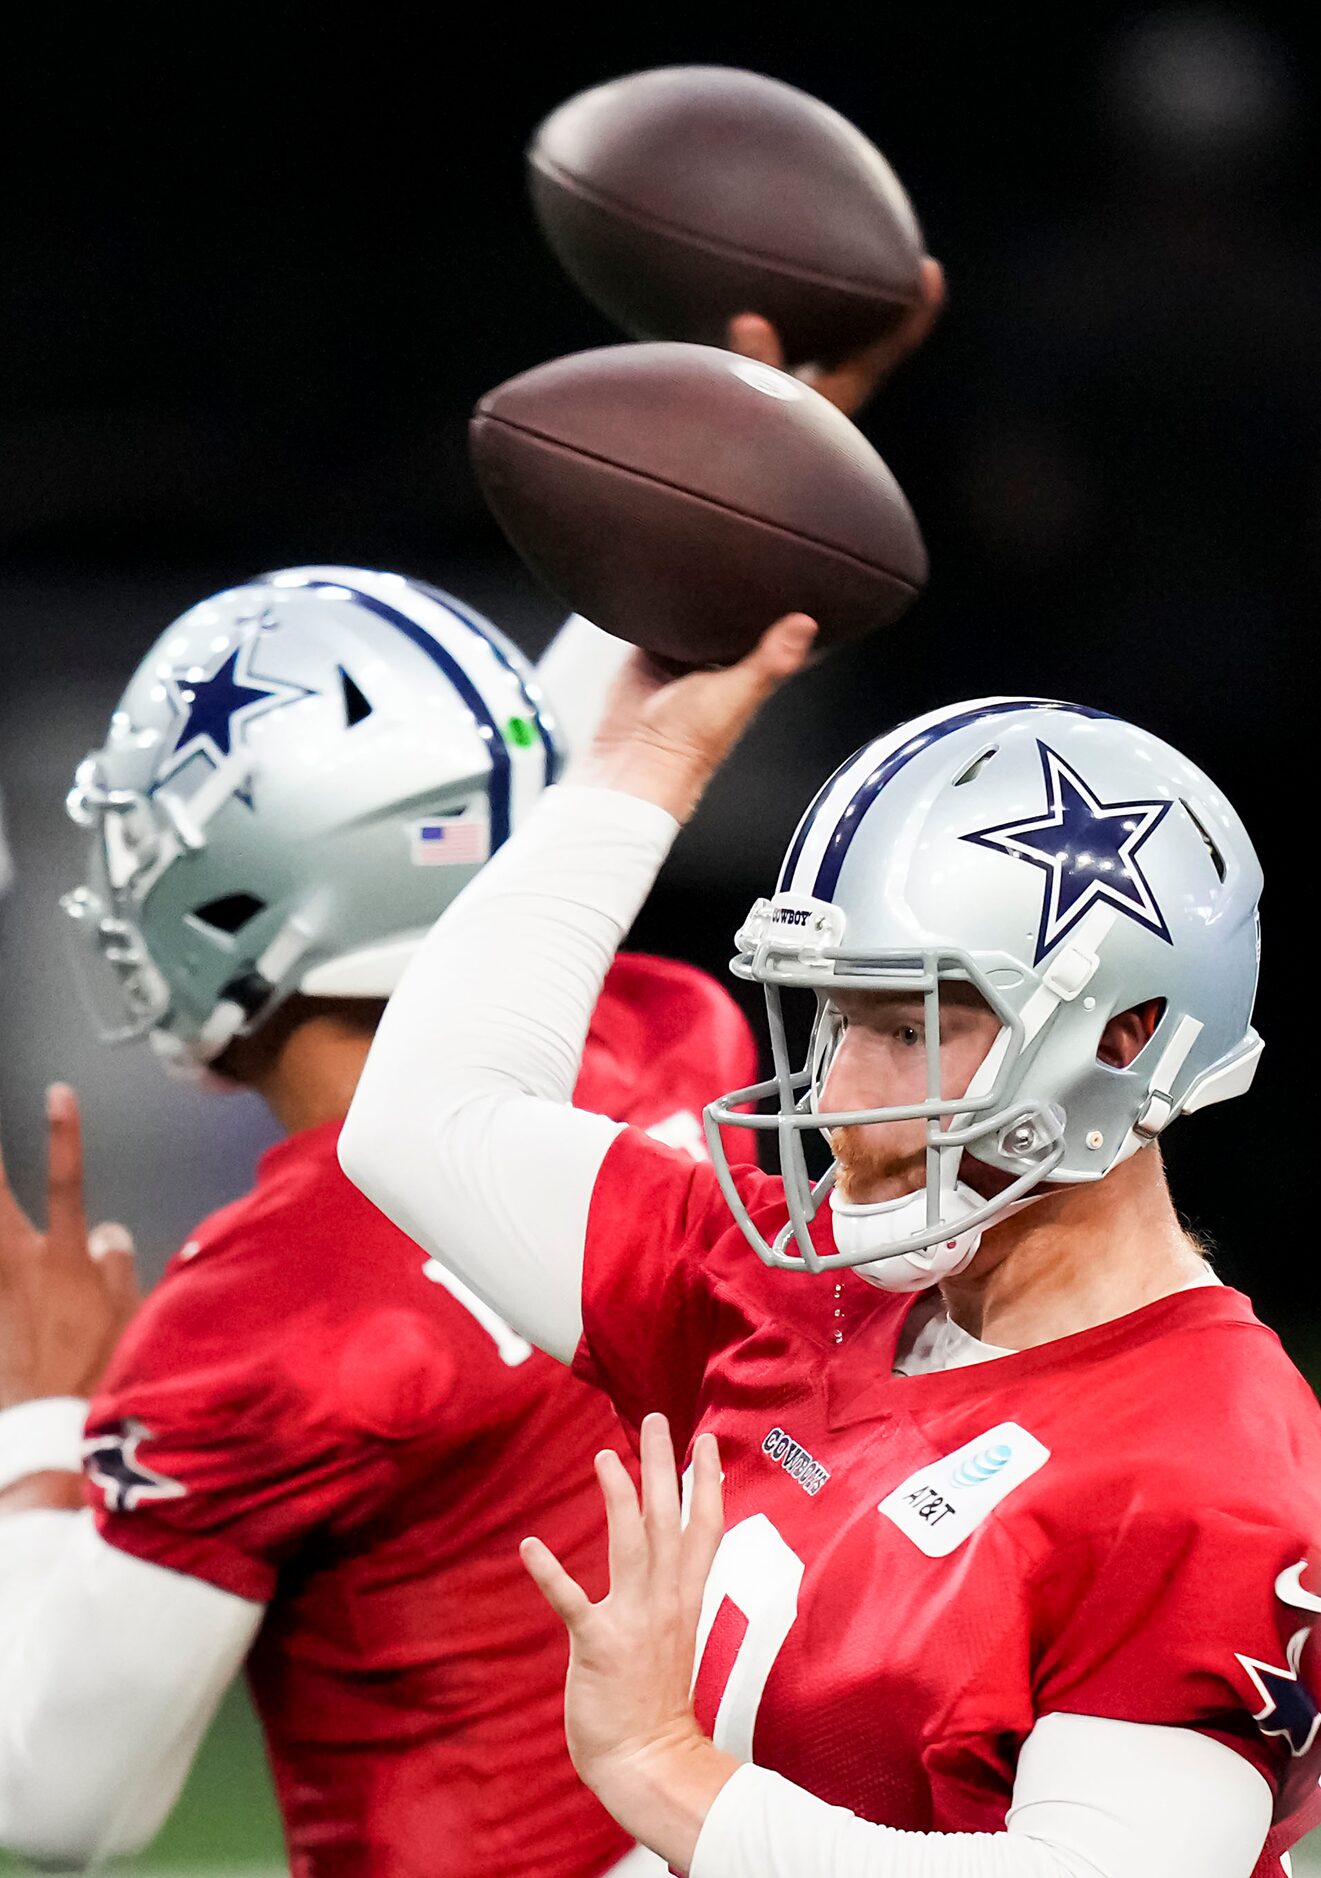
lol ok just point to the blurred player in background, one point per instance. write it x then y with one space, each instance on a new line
314 1448
1018 1569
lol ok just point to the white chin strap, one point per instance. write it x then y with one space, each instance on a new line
870 1229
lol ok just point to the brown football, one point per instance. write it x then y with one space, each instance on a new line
684 498
679 197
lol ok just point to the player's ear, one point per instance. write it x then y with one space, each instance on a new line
1127 1033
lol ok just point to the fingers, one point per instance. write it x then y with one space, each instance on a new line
879 361
706 1520
660 1494
110 1245
627 1547
753 337
850 382
651 1554
564 1594
933 286
66 1221
737 690
922 318
782 650
693 723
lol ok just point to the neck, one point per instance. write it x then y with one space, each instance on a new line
1076 1258
312 1077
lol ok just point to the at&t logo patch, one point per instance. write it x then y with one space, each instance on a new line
938 1506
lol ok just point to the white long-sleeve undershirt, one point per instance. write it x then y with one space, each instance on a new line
461 1132
1092 1799
111 1669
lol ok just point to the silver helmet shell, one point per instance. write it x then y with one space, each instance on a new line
1068 865
301 775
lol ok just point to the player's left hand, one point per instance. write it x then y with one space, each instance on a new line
850 382
65 1293
628 1714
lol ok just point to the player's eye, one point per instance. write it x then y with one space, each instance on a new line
908 1034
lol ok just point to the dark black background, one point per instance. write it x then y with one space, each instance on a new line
258 268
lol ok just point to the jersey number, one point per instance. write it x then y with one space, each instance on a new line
748 1609
512 1348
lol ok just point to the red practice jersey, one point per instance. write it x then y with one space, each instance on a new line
308 1413
1125 1522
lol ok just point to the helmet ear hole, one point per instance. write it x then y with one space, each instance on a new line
1128 1033
229 913
356 704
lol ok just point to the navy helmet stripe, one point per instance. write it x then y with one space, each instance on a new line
805 826
472 621
827 878
492 736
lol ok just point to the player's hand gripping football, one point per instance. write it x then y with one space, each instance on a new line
65 1293
849 383
628 1713
663 738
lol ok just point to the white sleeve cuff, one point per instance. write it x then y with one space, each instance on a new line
762 1826
43 1436
1093 1798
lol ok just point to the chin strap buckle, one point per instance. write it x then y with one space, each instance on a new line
1158 1109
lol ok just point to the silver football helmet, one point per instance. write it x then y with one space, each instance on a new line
302 774
1068 866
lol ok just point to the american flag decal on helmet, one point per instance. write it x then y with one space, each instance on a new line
451 841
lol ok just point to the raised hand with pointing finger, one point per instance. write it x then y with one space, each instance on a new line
65 1293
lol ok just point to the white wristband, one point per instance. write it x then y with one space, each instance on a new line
43 1436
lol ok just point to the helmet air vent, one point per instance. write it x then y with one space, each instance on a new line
1217 858
230 912
356 705
976 767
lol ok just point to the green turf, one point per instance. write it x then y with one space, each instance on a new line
226 1814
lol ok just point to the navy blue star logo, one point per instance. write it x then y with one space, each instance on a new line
1289 1709
110 1461
218 705
1087 849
